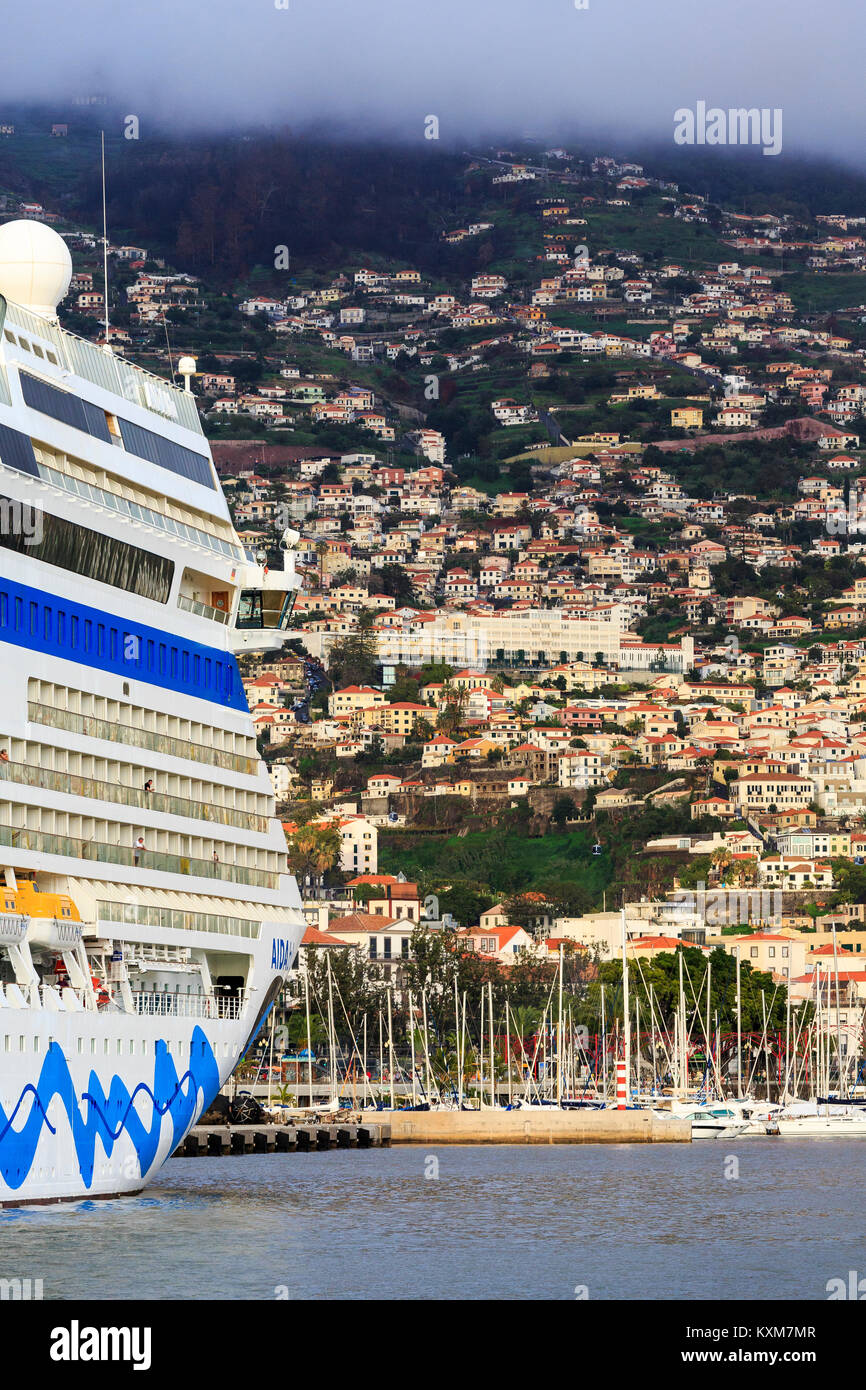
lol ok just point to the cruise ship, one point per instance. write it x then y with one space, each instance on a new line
148 916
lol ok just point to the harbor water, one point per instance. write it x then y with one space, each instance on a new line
760 1219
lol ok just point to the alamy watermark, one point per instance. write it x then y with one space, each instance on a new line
729 907
735 126
21 519
21 1290
846 518
853 1288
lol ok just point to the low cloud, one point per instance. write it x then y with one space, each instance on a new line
543 68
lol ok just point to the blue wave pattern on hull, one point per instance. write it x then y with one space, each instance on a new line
109 1116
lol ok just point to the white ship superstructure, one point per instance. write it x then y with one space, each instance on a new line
149 918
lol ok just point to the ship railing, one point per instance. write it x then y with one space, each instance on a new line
110 371
202 610
177 919
99 851
186 1005
116 502
49 780
92 727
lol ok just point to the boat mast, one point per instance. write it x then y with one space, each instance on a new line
332 1035
739 1029
625 1005
412 1045
480 1055
490 1017
366 1075
683 1066
708 1029
843 1080
426 1047
457 1044
787 1040
603 1049
652 1035
766 1040
309 1044
818 1078
559 1035
390 1049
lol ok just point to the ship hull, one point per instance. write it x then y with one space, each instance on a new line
93 1103
148 918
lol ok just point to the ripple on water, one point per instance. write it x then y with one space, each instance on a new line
629 1221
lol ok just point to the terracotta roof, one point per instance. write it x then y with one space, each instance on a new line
313 937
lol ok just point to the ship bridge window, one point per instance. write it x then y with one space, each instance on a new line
250 608
268 608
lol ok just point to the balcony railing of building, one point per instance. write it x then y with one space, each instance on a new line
202 610
49 780
90 726
100 852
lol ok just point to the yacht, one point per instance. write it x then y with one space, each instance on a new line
148 916
709 1120
804 1120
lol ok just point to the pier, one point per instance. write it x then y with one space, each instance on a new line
215 1141
546 1125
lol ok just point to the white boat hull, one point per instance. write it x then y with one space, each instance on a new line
823 1127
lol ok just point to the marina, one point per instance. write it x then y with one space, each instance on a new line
676 1078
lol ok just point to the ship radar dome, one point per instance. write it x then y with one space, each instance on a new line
35 266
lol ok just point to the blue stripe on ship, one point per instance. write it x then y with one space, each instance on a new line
58 627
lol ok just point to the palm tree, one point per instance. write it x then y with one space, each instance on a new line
321 552
526 1020
721 860
314 849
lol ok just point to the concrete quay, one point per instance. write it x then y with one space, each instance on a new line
546 1125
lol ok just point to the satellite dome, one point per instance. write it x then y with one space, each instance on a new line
35 266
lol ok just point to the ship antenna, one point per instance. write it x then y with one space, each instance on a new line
168 348
105 243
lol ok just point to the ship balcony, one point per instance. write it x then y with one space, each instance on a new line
91 726
165 1005
202 610
159 861
46 779
201 595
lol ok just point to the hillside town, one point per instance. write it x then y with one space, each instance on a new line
580 535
